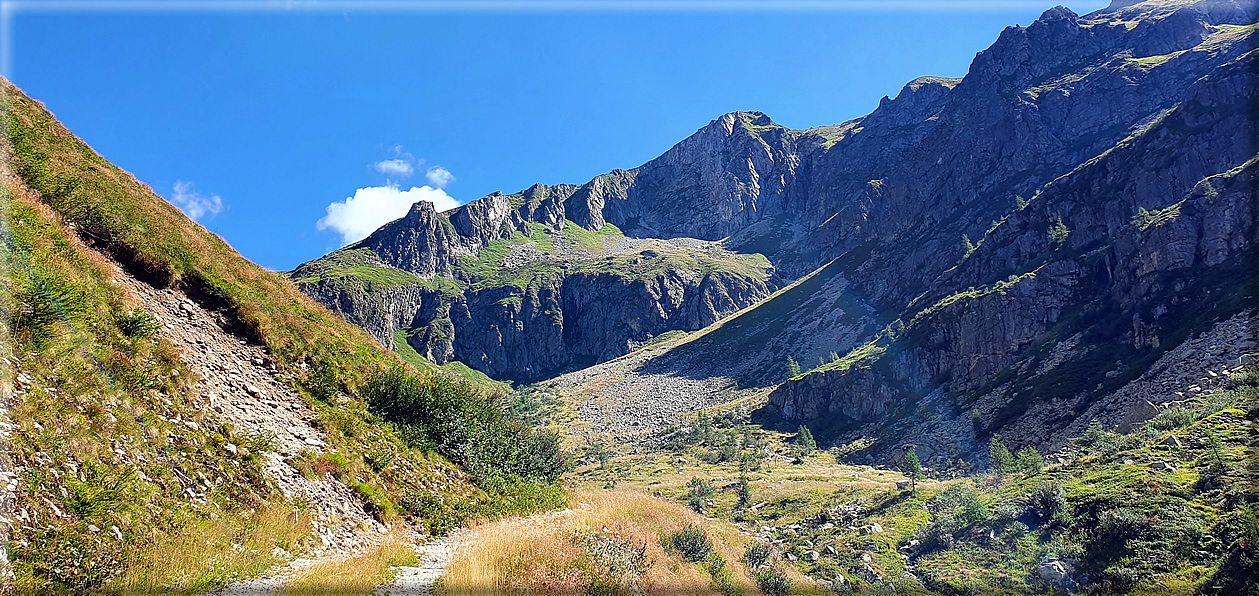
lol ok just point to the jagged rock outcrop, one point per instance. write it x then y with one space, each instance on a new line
1155 239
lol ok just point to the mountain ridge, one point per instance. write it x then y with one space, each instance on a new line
948 187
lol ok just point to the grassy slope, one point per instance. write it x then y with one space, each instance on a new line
591 549
1124 525
105 412
157 243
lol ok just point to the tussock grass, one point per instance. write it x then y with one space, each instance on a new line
357 576
538 556
209 553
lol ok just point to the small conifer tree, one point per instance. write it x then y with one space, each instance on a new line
1000 460
911 467
804 440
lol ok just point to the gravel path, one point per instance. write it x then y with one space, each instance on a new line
421 579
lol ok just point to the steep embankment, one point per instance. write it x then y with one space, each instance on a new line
178 417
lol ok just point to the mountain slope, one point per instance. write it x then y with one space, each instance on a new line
176 417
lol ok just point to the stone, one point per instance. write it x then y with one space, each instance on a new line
812 556
1052 571
903 484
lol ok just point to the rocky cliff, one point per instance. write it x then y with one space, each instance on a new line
1089 178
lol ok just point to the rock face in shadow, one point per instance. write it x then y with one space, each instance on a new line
1090 179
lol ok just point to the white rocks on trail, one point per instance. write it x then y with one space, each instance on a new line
419 580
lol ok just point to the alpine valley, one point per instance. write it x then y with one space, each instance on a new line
997 336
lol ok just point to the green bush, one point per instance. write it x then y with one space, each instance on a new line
1047 499
379 459
457 420
72 560
697 492
755 554
805 441
320 381
691 543
972 510
773 582
100 490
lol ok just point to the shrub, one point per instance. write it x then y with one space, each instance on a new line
1007 513
691 543
100 490
755 554
1172 418
379 459
1047 499
614 564
698 491
320 381
461 423
972 510
375 502
1058 232
773 582
72 560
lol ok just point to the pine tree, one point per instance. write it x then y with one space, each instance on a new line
804 440
745 493
911 467
1030 461
793 367
999 459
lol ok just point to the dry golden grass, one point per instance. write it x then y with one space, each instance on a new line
198 557
535 556
359 575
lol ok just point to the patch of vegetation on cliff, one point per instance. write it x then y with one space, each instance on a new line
360 270
863 356
1153 218
1001 287
661 261
588 240
454 367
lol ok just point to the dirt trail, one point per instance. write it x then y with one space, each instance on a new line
422 578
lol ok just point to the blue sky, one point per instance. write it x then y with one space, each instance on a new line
257 121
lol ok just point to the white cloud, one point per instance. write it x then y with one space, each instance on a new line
400 168
193 203
374 206
439 177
